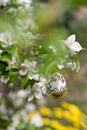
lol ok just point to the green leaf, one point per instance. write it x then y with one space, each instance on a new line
12 67
13 75
77 65
79 2
74 58
24 81
5 57
2 66
50 64
52 45
17 53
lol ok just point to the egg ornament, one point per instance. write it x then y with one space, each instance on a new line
57 85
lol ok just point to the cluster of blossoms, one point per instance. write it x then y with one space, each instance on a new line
6 39
54 84
22 2
4 2
43 116
74 47
29 68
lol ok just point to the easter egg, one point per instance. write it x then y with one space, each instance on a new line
57 85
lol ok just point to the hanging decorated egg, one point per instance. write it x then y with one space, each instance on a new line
57 85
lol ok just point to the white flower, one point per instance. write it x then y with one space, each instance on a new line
29 68
71 65
24 1
38 89
27 3
18 97
73 45
16 118
33 76
6 39
4 2
42 83
60 66
36 120
30 94
35 92
30 107
21 94
4 79
3 109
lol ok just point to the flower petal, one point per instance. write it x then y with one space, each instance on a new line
40 84
38 94
30 97
76 47
26 63
30 75
44 89
60 66
22 72
4 79
36 77
71 39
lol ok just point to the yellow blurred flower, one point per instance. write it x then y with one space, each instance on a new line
70 113
46 121
74 115
56 125
58 112
47 128
44 111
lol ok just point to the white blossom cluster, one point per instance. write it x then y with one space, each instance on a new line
74 47
6 39
21 117
39 88
29 68
18 98
26 3
4 2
